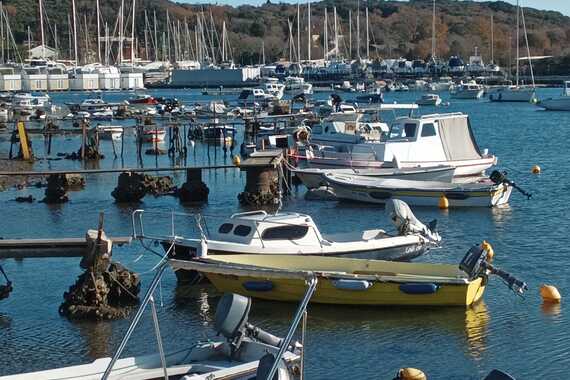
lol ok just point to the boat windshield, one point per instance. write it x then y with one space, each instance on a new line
403 131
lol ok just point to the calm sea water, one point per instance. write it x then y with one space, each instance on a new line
522 336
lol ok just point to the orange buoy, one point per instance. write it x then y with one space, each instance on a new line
411 374
550 294
443 202
489 249
535 169
236 161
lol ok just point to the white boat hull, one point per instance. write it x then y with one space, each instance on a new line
313 177
461 197
468 94
462 168
525 95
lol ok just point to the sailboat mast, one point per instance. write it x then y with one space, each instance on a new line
433 32
335 33
358 30
29 43
518 26
86 39
74 32
168 34
309 37
133 35
146 27
42 29
367 37
492 41
350 34
55 41
298 31
98 32
121 30
155 39
326 37
2 30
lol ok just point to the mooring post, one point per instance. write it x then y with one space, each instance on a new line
193 190
83 139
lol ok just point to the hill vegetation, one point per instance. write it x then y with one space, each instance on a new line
396 28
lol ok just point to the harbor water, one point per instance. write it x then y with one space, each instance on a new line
519 335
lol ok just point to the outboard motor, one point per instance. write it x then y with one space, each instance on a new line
231 321
497 177
406 222
5 290
475 264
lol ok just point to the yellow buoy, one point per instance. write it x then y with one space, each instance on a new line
550 294
535 169
489 249
411 374
443 202
236 160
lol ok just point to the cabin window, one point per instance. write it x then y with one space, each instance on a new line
242 230
225 228
428 130
285 233
401 131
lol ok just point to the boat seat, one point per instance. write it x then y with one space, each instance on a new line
373 234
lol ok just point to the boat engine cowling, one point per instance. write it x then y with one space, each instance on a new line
406 222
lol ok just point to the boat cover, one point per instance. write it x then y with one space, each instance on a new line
457 139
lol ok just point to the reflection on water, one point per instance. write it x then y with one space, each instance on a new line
5 321
97 336
476 325
553 310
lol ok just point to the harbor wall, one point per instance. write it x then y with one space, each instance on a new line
214 77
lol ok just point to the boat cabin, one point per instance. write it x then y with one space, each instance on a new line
429 138
258 228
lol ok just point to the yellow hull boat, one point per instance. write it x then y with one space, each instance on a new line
344 280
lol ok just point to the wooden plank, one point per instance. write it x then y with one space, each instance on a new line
26 151
39 248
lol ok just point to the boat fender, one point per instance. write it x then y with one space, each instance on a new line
419 288
344 284
258 286
410 374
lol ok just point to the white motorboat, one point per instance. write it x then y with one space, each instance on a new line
470 90
153 135
430 140
429 100
297 85
484 193
560 103
289 233
28 102
110 132
243 355
314 177
275 90
340 133
525 94
252 96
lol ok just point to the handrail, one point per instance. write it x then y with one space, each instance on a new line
312 286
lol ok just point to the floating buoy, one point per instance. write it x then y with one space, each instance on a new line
236 161
411 374
489 249
535 169
443 202
550 294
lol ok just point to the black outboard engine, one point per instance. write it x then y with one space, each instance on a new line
231 318
497 177
475 264
5 290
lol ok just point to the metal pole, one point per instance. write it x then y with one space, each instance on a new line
312 285
158 337
136 319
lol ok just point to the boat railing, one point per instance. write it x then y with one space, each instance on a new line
170 232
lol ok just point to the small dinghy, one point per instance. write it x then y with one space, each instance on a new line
248 352
109 132
314 177
347 281
153 135
487 192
